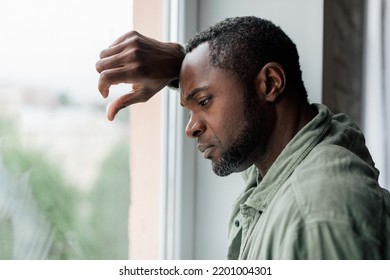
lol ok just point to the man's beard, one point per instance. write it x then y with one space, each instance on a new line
245 144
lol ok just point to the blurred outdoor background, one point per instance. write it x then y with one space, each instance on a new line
64 169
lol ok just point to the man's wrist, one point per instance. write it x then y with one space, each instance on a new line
174 83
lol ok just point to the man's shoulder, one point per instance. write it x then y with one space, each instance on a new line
335 163
334 180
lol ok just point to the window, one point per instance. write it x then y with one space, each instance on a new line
64 171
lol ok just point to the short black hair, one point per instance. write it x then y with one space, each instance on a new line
244 45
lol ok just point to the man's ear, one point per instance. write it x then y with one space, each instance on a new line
271 81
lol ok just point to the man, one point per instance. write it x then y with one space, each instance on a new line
311 186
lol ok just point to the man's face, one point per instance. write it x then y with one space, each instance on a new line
229 132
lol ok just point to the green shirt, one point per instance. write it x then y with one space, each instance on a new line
319 200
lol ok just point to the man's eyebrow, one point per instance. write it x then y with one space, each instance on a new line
193 93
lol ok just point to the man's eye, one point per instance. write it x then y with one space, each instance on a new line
204 102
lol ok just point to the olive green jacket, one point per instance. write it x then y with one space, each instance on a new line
319 200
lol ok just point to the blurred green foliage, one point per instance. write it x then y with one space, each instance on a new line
108 223
102 234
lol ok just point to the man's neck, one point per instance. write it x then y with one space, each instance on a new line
289 121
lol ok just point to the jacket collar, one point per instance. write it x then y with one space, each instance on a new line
291 156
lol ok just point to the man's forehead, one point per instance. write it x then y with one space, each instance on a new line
194 71
199 55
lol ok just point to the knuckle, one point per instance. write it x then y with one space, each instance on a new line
99 66
104 76
133 33
136 54
136 42
102 54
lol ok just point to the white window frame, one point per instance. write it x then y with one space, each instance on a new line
178 153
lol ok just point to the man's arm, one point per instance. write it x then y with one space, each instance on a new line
148 64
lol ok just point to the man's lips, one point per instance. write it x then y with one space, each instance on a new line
205 149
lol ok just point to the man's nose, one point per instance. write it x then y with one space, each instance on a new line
195 128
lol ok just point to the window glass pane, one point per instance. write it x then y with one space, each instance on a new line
64 174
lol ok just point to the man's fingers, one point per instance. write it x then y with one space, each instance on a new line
125 36
112 62
112 50
120 44
123 102
113 77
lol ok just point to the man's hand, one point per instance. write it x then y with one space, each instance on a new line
146 63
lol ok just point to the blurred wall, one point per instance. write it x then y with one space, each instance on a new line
344 23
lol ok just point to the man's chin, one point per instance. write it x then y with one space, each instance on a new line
221 173
223 169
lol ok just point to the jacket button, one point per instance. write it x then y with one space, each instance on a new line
237 223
